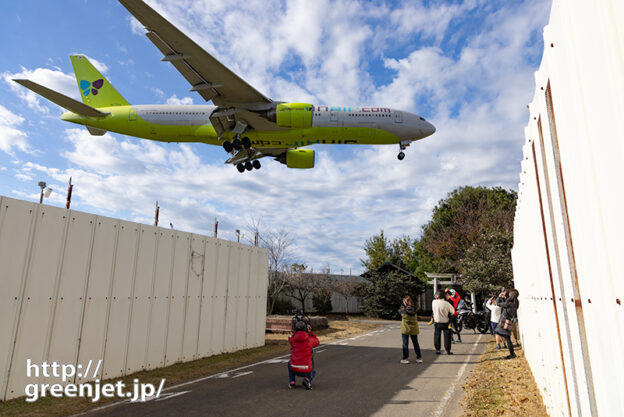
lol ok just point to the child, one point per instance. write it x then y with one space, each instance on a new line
302 341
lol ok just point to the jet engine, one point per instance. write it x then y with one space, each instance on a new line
298 158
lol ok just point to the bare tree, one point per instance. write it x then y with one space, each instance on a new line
346 287
299 284
278 245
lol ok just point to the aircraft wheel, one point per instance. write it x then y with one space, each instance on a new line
401 155
256 164
236 143
240 167
228 146
248 166
246 142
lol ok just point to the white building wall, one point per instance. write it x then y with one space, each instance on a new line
76 287
568 252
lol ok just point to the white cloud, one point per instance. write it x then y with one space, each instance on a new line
186 101
54 79
10 136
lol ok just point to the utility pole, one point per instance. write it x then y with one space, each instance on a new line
238 235
256 238
69 193
156 216
216 227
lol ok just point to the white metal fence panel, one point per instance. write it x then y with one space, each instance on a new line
15 237
568 230
121 302
177 303
76 288
99 292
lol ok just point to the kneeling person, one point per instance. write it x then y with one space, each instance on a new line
302 341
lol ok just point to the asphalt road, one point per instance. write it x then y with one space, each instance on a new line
360 376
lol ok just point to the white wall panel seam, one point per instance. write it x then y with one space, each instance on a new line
131 306
94 221
173 251
57 284
201 296
150 300
110 296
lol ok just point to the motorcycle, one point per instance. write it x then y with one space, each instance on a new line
470 320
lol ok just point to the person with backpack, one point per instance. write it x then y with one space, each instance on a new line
302 341
409 329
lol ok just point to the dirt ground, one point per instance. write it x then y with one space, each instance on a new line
500 387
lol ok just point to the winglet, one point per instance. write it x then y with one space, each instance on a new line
62 100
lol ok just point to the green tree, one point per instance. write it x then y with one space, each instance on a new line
382 293
380 250
459 221
487 265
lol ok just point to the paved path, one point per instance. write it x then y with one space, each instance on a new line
360 376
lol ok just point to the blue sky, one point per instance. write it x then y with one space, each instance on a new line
466 66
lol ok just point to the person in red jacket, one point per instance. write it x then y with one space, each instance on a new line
302 341
454 298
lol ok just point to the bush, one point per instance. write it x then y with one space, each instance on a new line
282 306
321 300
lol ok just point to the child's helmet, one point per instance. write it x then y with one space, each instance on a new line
301 326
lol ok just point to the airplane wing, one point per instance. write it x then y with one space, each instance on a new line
211 79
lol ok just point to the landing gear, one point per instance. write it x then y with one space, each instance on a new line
240 167
236 143
256 164
403 145
228 146
249 166
246 142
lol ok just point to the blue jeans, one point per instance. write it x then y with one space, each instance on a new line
292 374
414 338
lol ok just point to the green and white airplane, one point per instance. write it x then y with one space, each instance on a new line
248 125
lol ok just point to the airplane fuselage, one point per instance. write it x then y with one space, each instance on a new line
322 125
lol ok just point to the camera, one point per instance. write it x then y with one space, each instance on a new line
300 321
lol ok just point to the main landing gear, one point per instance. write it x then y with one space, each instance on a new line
248 166
237 144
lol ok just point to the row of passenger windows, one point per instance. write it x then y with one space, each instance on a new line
363 114
176 112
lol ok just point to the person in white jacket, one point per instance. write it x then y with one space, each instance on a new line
494 319
442 313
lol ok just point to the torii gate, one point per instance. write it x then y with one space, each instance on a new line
448 279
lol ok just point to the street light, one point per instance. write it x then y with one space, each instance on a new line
238 235
45 192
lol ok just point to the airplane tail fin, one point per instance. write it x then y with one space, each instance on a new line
95 90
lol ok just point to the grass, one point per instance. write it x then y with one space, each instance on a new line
275 345
499 387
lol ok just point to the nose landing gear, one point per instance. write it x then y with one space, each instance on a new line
403 145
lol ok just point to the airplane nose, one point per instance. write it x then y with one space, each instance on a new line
428 129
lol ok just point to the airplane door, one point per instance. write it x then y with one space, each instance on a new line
132 116
398 117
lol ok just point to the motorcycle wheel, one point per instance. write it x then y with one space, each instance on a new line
482 327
